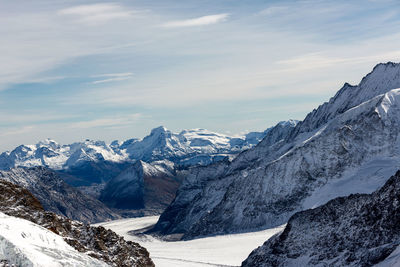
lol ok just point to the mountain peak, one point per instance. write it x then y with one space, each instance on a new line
383 78
158 130
290 122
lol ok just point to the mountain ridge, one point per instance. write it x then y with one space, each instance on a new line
57 196
262 187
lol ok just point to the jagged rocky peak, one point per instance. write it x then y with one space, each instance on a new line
48 142
160 130
358 230
279 132
383 78
103 246
116 144
353 152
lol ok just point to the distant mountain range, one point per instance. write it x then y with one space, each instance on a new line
347 145
95 162
132 175
187 148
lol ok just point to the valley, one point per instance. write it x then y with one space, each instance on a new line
225 250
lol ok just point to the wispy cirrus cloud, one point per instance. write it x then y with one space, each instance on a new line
200 21
17 131
97 13
112 77
48 79
108 122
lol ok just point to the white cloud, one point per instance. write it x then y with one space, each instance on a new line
46 79
17 131
112 77
273 10
97 13
205 20
108 122
111 80
122 74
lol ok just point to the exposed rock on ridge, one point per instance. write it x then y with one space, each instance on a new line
358 230
56 196
96 242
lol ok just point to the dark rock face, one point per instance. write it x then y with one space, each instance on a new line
358 230
96 242
56 196
87 173
145 186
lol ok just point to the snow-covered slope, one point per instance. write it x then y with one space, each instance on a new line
24 243
305 166
216 251
143 186
358 230
96 242
57 196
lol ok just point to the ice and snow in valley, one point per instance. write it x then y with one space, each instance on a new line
224 250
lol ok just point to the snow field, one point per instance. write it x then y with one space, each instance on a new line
225 250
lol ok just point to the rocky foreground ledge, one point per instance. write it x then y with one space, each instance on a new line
97 242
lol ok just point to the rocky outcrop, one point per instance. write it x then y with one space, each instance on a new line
57 196
96 242
358 230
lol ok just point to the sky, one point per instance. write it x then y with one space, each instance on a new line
105 70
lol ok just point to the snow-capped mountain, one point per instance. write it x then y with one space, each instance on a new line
53 240
57 196
143 186
358 230
94 162
188 147
348 145
50 154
